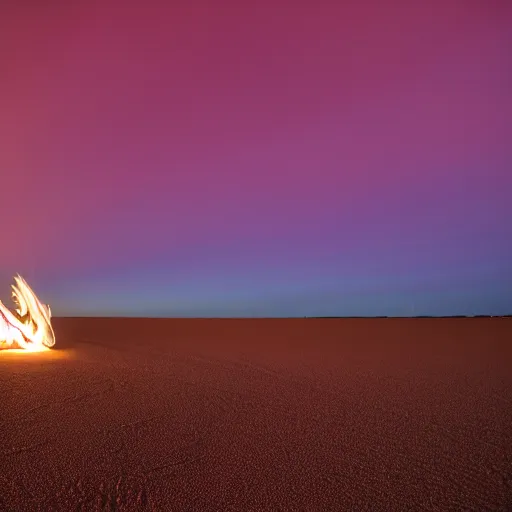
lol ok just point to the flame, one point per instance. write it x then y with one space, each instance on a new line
29 327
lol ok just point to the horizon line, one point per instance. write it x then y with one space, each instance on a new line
278 317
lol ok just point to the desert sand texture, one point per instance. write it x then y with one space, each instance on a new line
260 415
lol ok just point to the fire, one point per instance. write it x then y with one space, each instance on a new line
29 327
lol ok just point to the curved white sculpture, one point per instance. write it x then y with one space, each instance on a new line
29 327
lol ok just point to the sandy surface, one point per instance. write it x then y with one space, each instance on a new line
305 415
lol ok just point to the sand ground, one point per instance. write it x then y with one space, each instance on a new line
256 415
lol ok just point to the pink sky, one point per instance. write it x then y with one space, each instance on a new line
312 159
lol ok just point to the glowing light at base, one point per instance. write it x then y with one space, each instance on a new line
29 327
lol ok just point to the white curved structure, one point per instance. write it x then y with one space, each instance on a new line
29 327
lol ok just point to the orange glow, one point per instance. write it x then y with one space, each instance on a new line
29 328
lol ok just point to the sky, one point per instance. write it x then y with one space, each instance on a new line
311 158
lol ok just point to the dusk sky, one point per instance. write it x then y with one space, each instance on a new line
236 159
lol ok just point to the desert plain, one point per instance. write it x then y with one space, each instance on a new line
260 415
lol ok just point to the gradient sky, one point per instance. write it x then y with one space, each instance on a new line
232 159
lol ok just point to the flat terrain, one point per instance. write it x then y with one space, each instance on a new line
256 415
